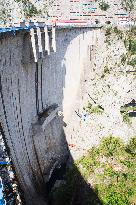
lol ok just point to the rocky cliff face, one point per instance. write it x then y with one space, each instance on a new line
110 81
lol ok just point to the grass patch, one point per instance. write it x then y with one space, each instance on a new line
130 41
126 118
30 10
125 110
111 146
113 30
123 59
132 62
132 46
105 72
94 109
133 30
128 5
131 147
109 169
118 32
108 33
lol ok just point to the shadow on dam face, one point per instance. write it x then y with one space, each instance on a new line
26 89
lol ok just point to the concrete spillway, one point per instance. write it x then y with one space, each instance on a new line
28 88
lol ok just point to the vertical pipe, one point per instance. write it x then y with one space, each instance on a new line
53 39
33 44
39 41
47 43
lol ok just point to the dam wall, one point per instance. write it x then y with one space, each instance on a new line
28 90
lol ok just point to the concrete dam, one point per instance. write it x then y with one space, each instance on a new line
36 100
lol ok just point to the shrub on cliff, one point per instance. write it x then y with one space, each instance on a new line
104 6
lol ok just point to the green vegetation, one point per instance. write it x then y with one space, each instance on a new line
123 59
131 147
126 43
110 171
118 32
29 9
127 108
108 33
130 45
113 31
5 11
130 40
97 109
133 30
105 72
126 118
111 146
104 6
128 5
124 110
132 62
